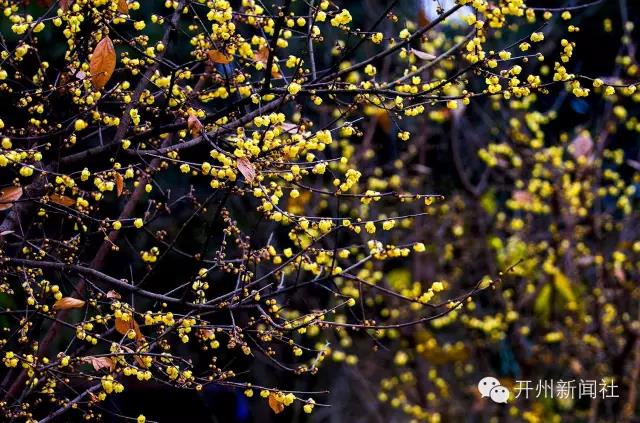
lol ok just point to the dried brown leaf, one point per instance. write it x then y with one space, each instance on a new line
383 120
275 73
119 184
138 359
291 128
123 6
582 146
194 125
113 295
297 205
262 55
123 327
522 197
618 272
423 20
274 404
100 362
584 260
422 55
8 196
219 57
206 333
575 366
68 303
103 63
63 200
247 169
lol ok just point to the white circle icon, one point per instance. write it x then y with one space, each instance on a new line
499 394
490 387
486 384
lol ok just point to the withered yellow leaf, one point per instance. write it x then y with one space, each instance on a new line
274 404
219 57
8 196
247 169
103 63
67 303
